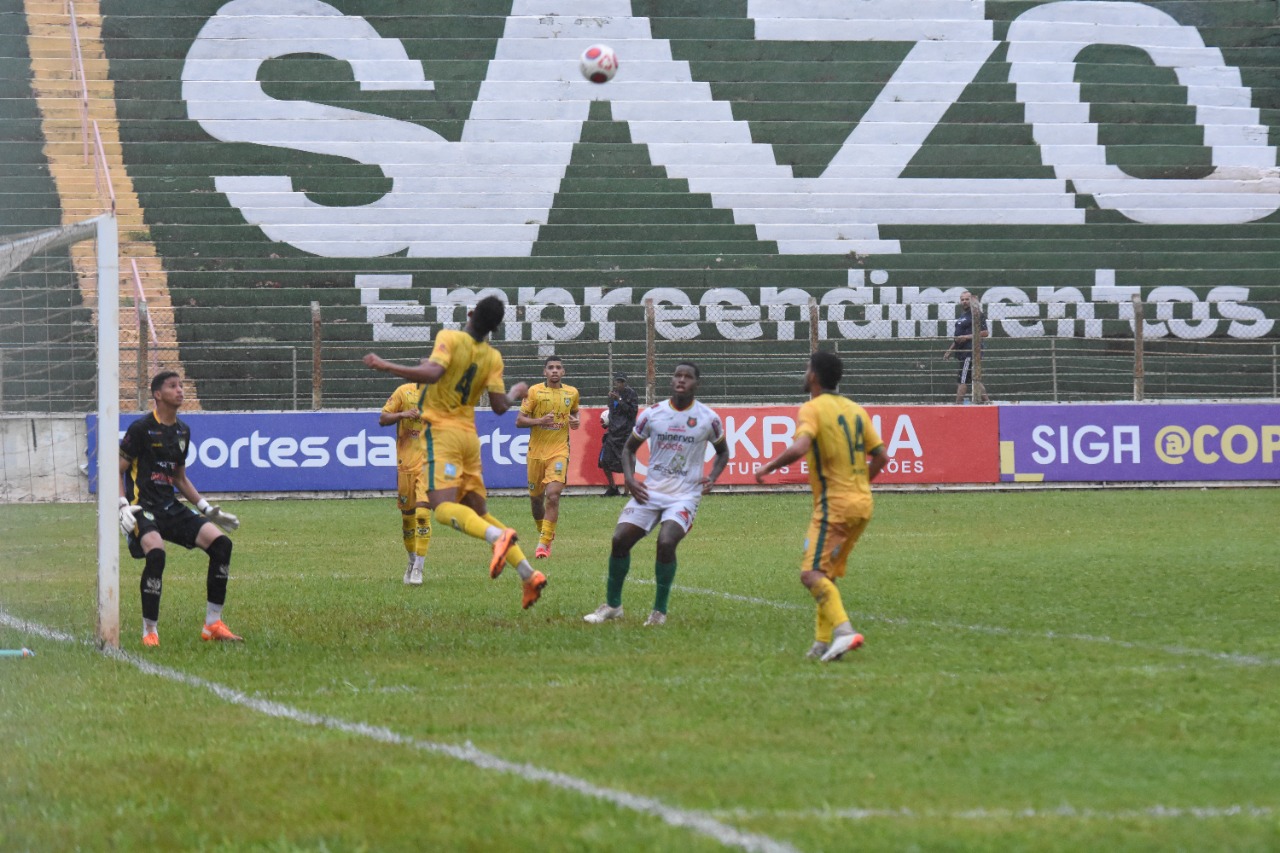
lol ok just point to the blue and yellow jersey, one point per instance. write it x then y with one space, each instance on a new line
410 452
546 442
471 368
842 435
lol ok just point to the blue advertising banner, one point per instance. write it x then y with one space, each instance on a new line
1139 442
317 451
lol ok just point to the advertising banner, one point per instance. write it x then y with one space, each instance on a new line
1137 442
926 444
318 451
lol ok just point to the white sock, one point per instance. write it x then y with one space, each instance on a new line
149 627
212 613
491 535
525 570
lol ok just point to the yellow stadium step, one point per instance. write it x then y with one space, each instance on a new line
59 95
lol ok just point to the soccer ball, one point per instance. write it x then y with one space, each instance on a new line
604 419
599 63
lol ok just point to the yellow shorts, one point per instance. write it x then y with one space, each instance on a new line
828 543
553 469
411 488
453 461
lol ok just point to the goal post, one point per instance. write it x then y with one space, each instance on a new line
107 238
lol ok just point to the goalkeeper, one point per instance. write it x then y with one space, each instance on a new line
153 472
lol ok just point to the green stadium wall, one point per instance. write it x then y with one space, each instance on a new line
391 162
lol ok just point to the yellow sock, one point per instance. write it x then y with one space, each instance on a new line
463 519
548 532
830 607
422 531
408 528
822 628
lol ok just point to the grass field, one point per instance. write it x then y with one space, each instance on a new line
1043 671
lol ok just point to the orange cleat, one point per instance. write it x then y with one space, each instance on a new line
152 640
533 589
501 546
219 631
542 552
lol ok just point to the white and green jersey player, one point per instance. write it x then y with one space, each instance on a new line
678 431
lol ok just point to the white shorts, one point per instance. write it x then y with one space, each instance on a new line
661 507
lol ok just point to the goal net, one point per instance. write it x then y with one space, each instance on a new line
60 353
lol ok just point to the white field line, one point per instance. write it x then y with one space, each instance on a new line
1059 813
995 630
695 821
706 823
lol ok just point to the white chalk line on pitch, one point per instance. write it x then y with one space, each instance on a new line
1059 813
995 630
695 821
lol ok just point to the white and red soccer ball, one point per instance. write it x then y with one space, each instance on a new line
599 63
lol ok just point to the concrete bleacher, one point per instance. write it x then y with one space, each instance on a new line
278 150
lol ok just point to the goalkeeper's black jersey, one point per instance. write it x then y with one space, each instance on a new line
157 452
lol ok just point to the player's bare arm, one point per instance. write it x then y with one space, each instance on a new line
638 490
876 460
794 453
501 402
426 372
389 418
717 466
523 420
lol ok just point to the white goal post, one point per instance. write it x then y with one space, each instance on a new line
108 241
31 254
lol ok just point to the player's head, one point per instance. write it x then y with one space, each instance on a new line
553 369
159 381
166 387
684 379
487 316
827 369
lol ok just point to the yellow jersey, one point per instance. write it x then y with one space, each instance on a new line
842 435
546 442
471 368
410 448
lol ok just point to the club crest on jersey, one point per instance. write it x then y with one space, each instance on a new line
568 401
450 470
693 422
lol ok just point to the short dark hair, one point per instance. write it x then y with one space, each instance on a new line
697 374
828 368
552 358
157 381
488 315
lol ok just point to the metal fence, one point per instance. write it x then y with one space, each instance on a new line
315 362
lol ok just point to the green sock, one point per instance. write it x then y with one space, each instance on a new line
618 568
665 574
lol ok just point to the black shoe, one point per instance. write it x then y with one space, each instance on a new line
612 492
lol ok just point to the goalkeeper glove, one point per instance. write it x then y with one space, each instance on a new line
218 516
127 517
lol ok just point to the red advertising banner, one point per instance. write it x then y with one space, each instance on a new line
926 444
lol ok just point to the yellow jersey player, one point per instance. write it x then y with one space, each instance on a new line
550 411
845 454
461 367
401 409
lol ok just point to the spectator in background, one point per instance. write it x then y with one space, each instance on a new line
961 348
619 421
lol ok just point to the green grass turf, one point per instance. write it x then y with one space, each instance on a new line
1043 671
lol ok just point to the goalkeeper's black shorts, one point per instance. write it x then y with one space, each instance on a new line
175 522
